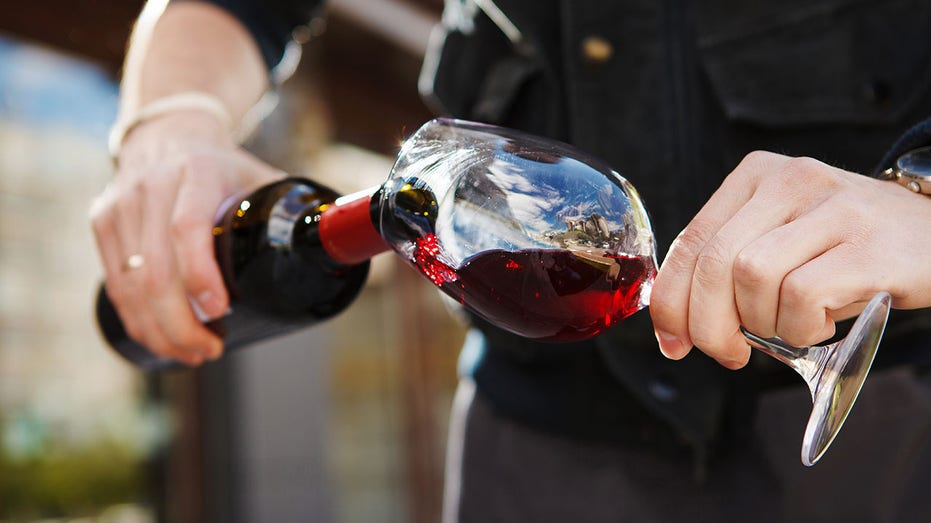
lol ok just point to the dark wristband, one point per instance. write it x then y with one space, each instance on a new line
916 137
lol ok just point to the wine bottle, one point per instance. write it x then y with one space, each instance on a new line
276 265
533 235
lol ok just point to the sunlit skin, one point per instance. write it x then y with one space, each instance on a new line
786 247
174 172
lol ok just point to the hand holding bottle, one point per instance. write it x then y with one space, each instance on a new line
530 234
153 229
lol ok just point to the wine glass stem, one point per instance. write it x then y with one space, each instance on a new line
809 362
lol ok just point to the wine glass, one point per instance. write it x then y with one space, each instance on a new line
547 242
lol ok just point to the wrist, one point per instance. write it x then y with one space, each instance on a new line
191 111
170 135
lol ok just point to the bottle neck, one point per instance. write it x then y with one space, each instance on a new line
347 231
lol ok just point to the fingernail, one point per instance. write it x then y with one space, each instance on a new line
208 306
214 352
732 364
671 346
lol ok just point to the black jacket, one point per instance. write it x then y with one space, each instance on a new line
672 94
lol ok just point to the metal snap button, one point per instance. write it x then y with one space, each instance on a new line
596 49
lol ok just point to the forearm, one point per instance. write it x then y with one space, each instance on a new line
193 46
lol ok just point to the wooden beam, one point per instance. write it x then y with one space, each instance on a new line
93 29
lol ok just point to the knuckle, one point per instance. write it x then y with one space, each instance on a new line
692 240
810 175
196 163
757 157
751 270
796 177
803 333
707 341
803 166
197 277
101 221
184 223
754 163
795 292
155 278
135 185
668 317
661 307
712 264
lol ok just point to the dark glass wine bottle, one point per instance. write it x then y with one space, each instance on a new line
274 251
532 235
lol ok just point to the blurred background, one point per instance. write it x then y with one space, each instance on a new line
343 422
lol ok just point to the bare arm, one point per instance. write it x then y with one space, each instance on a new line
175 168
193 46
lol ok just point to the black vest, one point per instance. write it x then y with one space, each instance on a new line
673 94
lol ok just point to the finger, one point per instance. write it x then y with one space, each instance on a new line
166 295
106 236
122 283
144 329
111 218
832 284
714 314
103 226
763 265
671 294
192 222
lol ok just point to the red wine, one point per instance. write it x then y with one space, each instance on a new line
546 294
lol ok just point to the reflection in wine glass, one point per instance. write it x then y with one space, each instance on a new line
545 241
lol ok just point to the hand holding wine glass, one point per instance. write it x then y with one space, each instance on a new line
786 247
497 175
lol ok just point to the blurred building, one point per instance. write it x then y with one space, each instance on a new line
343 422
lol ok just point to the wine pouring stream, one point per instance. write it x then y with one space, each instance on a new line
533 235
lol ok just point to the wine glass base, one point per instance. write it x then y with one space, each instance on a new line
842 378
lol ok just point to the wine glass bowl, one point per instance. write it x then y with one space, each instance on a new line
533 235
549 243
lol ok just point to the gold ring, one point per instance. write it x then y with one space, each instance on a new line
133 262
